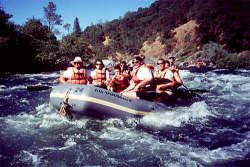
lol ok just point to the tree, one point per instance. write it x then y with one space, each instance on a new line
67 27
51 17
33 27
77 30
6 27
72 46
42 41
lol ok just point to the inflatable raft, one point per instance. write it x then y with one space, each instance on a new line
93 101
97 102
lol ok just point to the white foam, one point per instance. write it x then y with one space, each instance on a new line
242 70
81 123
178 116
184 73
42 75
42 107
7 97
17 87
25 101
69 143
113 133
245 87
247 134
235 151
2 87
43 117
31 157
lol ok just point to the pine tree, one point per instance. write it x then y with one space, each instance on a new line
77 30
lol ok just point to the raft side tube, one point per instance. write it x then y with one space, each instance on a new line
93 101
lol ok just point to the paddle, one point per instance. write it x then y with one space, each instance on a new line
38 87
199 90
192 91
196 90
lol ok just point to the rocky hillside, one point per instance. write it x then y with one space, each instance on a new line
210 32
189 52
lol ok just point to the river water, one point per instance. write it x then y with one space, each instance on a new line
211 132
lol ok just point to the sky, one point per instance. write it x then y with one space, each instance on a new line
87 11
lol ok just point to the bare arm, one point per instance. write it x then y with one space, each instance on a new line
167 85
107 75
130 87
142 84
178 78
62 80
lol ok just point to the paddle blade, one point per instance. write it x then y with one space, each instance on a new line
38 87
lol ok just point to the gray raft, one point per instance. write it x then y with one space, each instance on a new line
89 100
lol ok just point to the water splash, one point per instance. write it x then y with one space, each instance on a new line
178 116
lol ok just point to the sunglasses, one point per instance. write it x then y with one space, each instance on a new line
98 64
77 63
159 63
135 62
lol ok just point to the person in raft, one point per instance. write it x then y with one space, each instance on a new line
175 71
141 77
171 60
118 81
125 70
76 74
164 78
100 75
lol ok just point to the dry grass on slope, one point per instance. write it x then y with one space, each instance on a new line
154 49
185 35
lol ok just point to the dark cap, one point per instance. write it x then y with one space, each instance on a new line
171 57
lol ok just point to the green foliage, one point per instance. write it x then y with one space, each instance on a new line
214 55
215 18
12 46
6 28
72 46
212 52
94 34
129 33
34 28
21 45
234 61
42 41
226 23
